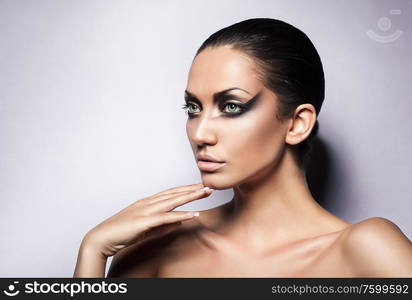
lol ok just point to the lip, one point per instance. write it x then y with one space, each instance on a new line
208 157
209 165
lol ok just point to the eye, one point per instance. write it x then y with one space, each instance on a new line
233 109
187 106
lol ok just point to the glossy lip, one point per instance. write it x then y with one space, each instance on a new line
209 165
207 157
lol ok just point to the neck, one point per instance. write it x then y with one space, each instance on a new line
277 206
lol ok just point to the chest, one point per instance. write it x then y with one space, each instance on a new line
321 259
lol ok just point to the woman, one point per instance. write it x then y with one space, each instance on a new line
253 95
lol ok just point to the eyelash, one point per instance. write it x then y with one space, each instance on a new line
191 115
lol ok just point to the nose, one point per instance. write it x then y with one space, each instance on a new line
202 130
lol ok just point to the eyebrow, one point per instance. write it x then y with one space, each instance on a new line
217 97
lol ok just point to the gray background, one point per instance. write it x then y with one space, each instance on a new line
90 117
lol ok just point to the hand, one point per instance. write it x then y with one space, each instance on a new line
147 217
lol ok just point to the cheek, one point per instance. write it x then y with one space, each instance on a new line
189 134
256 140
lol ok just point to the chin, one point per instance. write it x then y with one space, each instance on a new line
218 181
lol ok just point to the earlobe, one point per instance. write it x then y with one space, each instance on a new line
302 124
293 137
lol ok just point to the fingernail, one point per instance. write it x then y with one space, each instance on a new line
208 189
192 213
204 189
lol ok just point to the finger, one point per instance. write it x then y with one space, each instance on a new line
165 194
180 189
173 202
168 196
170 217
149 203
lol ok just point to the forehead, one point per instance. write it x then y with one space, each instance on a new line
216 69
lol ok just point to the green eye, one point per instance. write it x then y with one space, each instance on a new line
232 107
191 106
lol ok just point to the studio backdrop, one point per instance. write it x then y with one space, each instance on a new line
91 119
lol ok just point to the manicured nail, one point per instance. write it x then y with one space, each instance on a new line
204 189
192 214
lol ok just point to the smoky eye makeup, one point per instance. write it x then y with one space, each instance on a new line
235 109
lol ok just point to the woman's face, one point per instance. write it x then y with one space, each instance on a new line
250 140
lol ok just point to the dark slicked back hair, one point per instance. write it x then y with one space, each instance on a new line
286 62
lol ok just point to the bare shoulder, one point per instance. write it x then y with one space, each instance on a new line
376 247
375 231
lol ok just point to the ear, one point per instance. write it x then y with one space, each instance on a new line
301 124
